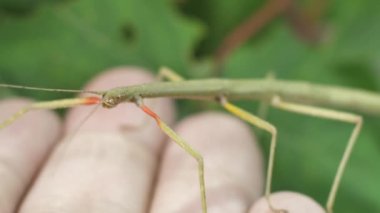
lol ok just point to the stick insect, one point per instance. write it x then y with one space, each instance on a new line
286 95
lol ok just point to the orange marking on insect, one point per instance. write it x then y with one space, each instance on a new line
152 114
92 100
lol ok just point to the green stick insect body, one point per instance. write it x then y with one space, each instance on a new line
264 90
258 89
286 95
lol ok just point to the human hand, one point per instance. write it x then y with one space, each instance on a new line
118 161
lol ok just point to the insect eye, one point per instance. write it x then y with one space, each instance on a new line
108 103
111 101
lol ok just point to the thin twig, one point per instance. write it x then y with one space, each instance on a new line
306 22
250 27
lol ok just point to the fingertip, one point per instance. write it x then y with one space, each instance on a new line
112 156
33 125
290 201
24 146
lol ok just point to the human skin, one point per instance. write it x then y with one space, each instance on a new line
119 161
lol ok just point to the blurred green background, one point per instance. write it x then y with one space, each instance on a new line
63 43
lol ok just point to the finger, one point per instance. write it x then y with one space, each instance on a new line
290 201
24 145
109 165
233 167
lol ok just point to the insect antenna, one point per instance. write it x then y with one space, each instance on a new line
50 89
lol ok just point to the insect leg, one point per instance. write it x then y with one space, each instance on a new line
262 124
332 115
184 145
167 73
163 73
64 103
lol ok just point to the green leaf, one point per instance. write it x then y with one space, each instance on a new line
63 45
